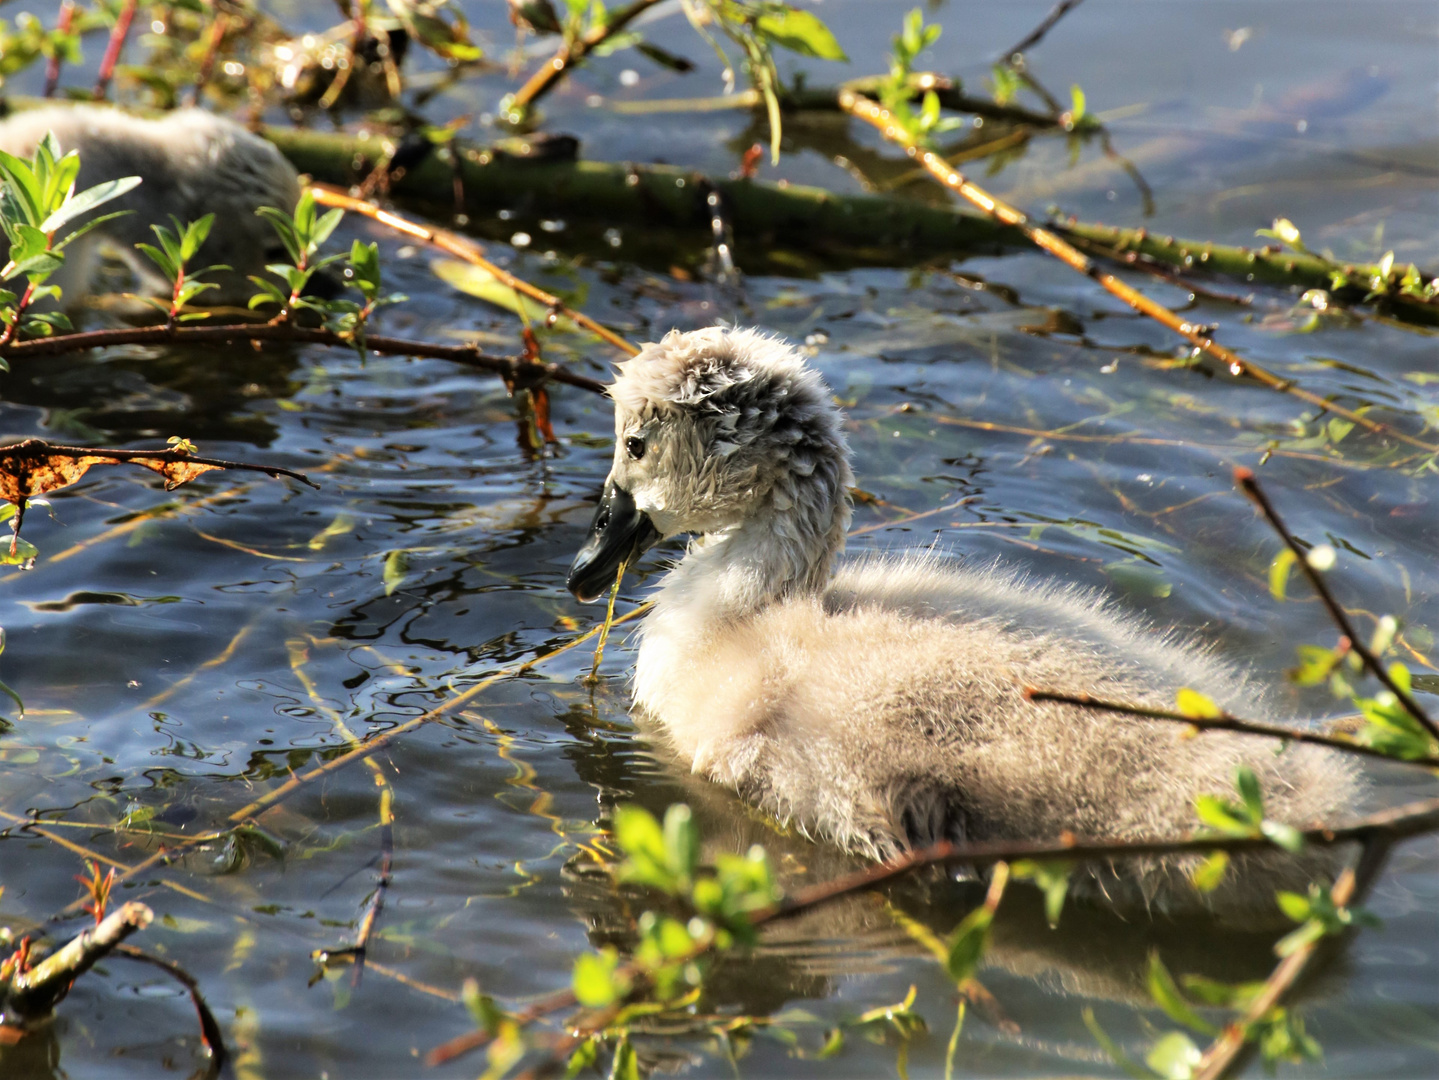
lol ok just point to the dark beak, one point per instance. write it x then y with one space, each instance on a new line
619 533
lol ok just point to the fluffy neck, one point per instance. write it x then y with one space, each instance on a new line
787 547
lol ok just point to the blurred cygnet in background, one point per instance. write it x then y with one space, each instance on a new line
191 163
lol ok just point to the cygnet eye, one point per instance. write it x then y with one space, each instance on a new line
635 446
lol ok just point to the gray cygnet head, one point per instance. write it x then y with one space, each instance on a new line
715 429
191 163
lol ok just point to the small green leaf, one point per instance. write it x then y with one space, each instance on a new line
801 32
595 982
1174 1056
1166 994
1279 573
1199 706
87 200
1247 784
1295 906
397 566
967 944
682 841
1208 874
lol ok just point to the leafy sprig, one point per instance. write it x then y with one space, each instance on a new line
177 247
38 201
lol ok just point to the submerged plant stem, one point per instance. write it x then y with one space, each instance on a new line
1047 240
594 675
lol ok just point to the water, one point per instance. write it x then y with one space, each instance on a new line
180 654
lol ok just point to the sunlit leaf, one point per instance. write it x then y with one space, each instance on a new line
802 32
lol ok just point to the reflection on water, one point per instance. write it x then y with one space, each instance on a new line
181 654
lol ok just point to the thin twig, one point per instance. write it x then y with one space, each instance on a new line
470 252
52 68
361 752
210 1033
118 33
1225 722
213 40
1226 1054
1250 486
1386 826
1035 36
885 121
572 54
514 370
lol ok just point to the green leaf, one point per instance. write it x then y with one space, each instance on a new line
967 943
483 285
1291 943
1285 836
1208 874
595 982
160 259
1315 664
397 567
195 235
802 32
682 841
324 227
1076 104
1247 784
1109 1046
1221 814
94 222
1279 573
1295 906
87 200
19 178
1174 1056
1166 994
1194 704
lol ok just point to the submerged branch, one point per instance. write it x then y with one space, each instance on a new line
1046 240
871 228
360 752
211 1035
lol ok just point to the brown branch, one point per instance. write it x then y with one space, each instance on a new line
213 40
210 1034
1226 1055
515 371
1035 36
1250 486
572 55
52 67
470 252
118 33
882 119
1225 722
32 995
358 753
1386 826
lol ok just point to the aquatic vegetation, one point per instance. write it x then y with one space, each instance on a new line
348 766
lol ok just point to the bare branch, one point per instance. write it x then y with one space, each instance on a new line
1225 722
32 995
1047 240
1250 486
